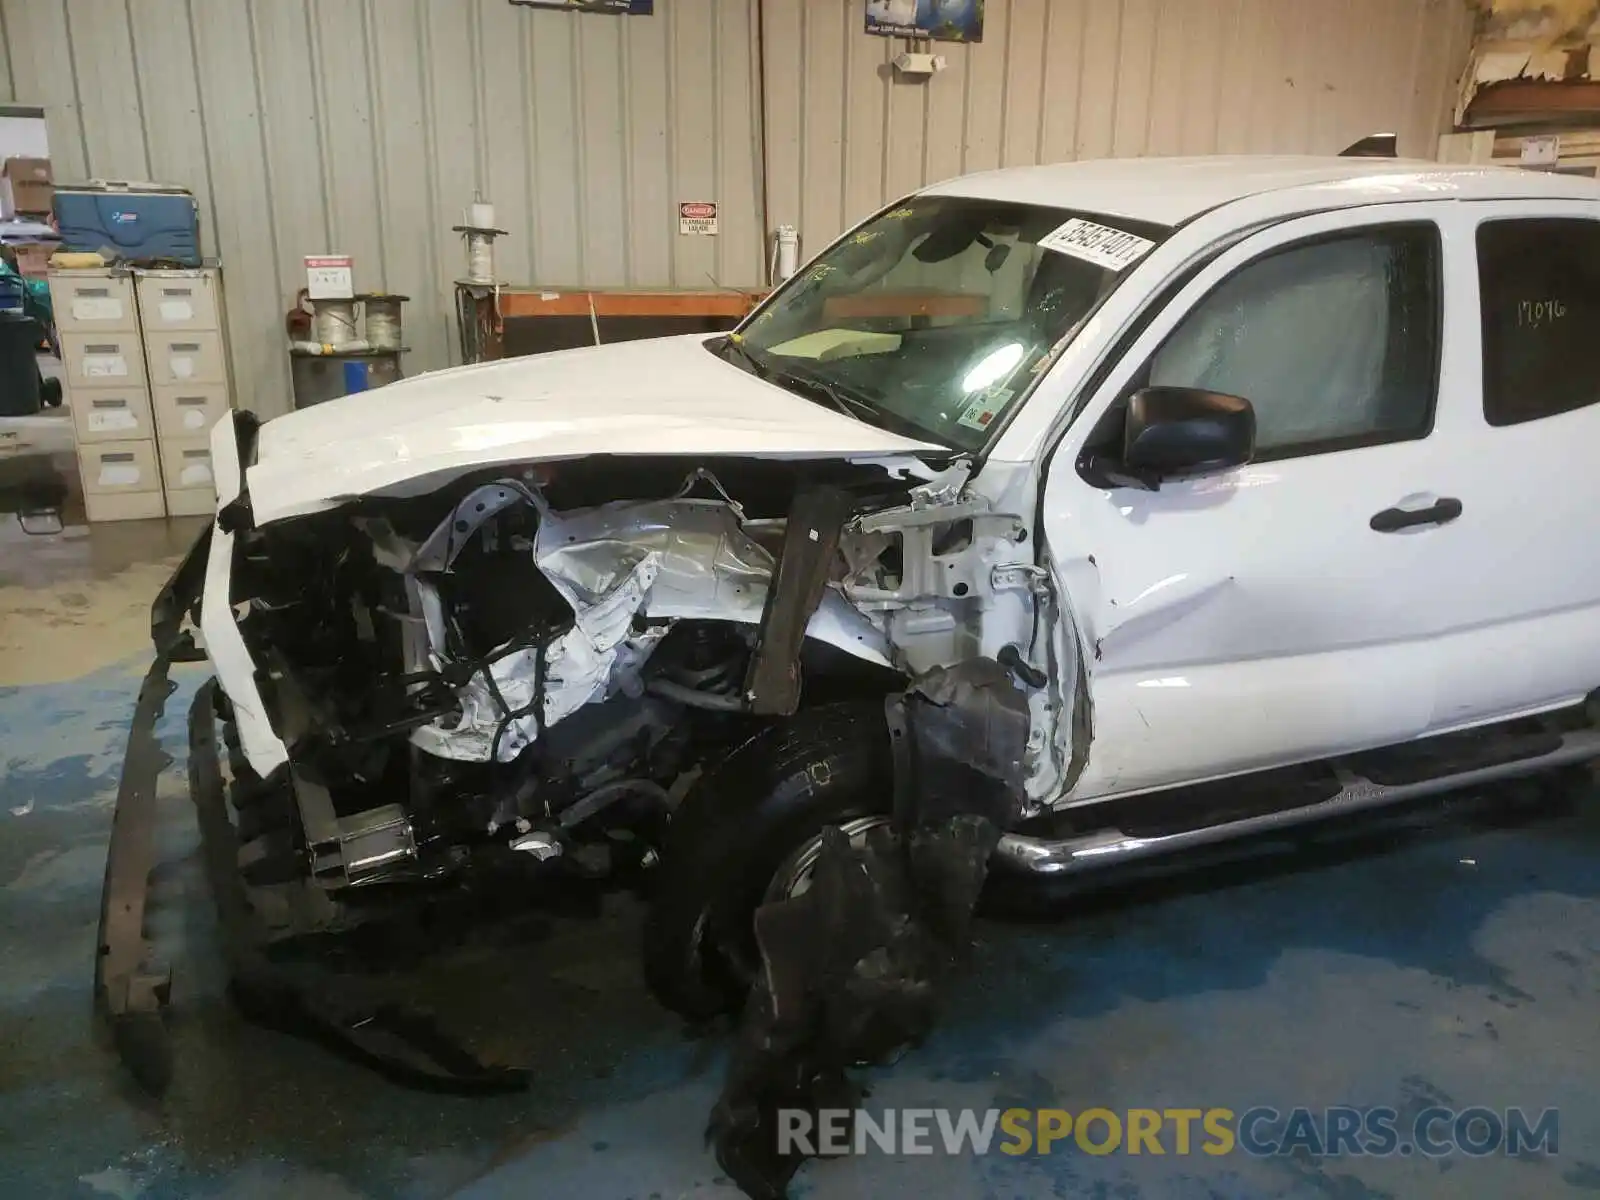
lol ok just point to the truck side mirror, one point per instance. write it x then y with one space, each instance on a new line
1186 431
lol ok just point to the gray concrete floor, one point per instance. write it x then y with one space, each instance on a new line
1453 962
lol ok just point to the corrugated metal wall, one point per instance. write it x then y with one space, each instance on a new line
1064 79
364 126
6 93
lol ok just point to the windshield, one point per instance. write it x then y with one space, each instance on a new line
935 317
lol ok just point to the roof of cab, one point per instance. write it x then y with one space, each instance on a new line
1168 191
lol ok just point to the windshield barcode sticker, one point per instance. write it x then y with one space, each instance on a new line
1099 244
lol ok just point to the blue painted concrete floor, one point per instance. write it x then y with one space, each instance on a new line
1458 967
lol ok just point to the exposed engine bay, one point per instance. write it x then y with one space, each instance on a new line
505 666
668 673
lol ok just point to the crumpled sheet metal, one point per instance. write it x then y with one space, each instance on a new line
578 667
708 564
666 560
710 568
851 974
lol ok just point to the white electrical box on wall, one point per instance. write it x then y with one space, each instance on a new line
919 64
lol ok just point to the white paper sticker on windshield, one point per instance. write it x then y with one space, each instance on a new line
1099 244
981 411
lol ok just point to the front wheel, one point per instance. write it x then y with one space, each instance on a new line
750 832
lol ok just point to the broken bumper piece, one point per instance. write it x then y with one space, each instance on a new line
398 1043
129 988
132 990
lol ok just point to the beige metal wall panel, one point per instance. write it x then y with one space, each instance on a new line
42 73
695 127
177 141
1055 80
245 230
6 93
367 126
108 89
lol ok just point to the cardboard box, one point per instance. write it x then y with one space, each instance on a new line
27 185
33 258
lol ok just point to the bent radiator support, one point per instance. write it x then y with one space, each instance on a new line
810 541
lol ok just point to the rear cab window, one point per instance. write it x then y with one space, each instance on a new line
1539 287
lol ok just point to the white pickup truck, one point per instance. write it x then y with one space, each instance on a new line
1172 499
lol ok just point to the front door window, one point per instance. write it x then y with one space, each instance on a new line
1334 342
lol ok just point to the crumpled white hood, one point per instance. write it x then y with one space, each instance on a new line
660 396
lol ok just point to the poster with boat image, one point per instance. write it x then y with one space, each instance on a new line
620 8
940 20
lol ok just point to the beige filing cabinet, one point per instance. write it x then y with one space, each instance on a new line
186 354
108 393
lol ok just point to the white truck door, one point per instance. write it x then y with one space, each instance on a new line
1277 612
1517 577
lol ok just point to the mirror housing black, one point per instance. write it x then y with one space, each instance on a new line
1186 431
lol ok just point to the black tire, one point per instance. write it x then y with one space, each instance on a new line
744 818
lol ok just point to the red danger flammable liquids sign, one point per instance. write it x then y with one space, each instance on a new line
697 216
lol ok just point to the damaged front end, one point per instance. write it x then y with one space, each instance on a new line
520 672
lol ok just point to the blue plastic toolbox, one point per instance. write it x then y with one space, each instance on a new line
133 222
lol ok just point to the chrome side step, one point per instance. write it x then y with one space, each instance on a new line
1103 848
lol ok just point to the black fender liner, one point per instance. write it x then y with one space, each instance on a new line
852 969
959 735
